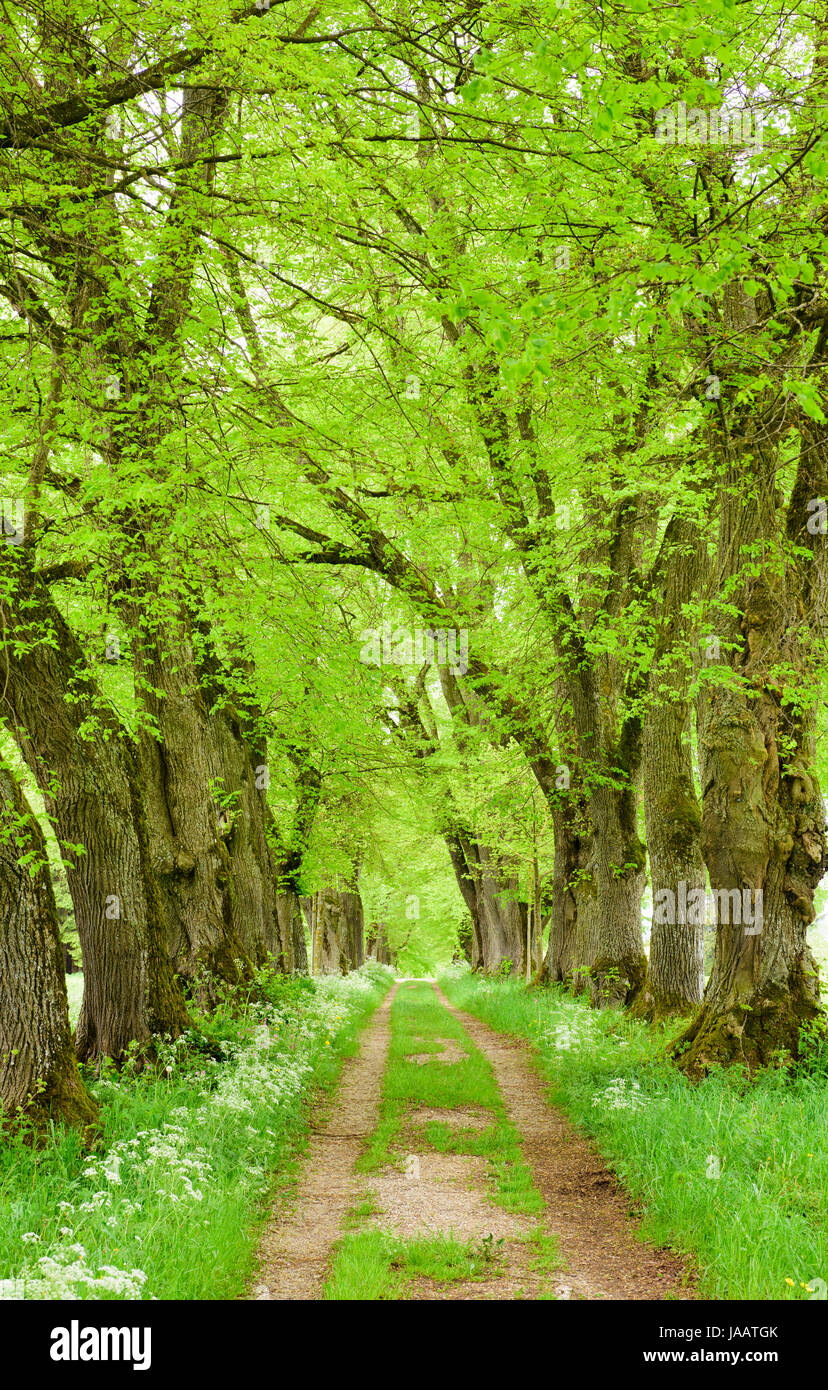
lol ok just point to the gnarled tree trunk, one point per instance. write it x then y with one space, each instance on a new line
763 837
675 978
573 928
39 1076
191 809
85 767
340 931
489 891
212 826
763 819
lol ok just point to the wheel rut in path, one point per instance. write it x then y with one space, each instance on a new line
585 1206
295 1252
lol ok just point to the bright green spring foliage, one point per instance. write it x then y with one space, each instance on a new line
338 324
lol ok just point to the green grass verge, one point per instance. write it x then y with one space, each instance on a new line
172 1204
730 1171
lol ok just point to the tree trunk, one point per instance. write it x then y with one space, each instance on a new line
265 867
188 807
619 969
260 920
85 767
380 951
536 908
39 1076
763 818
285 905
206 817
675 978
341 931
466 882
231 787
312 907
573 928
598 879
608 766
502 929
763 837
496 920
300 948
608 742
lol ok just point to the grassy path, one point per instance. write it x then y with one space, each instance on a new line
598 1236
443 1173
295 1251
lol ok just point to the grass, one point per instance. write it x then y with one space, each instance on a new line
730 1171
172 1203
376 1265
373 1264
419 1023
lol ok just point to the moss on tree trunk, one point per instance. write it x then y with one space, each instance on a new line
39 1076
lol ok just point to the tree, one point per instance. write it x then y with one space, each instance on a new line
39 1076
521 343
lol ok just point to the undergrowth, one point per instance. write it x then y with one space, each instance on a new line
731 1171
170 1204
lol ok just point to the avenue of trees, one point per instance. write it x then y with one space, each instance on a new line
410 412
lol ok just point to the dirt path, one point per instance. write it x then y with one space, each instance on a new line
585 1206
295 1253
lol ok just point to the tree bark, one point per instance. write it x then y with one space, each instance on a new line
489 891
86 769
379 949
464 874
39 1076
261 874
300 948
340 931
763 818
763 832
620 966
501 928
192 800
259 920
573 928
675 978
